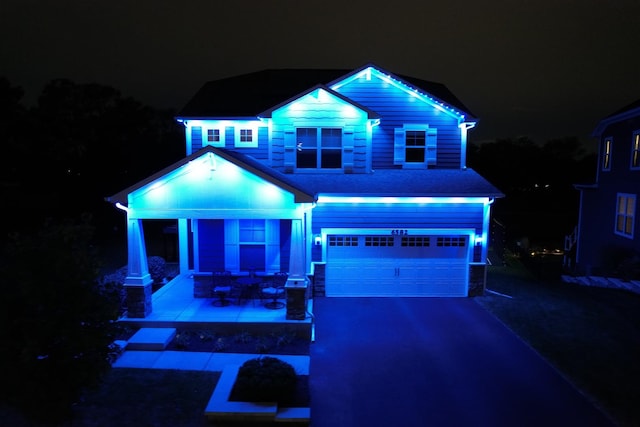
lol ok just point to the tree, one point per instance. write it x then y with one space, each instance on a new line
80 143
541 202
58 319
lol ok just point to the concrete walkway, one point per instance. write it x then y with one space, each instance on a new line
197 361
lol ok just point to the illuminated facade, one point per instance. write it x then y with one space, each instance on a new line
356 179
608 225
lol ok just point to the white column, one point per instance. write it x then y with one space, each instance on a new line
297 264
137 267
183 245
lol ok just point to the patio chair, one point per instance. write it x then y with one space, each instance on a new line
274 290
221 287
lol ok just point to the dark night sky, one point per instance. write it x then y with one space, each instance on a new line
543 69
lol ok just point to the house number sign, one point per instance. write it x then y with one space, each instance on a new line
399 232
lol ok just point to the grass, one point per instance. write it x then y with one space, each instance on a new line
148 397
591 335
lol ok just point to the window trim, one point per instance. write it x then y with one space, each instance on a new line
626 216
607 148
205 136
430 147
238 132
319 148
635 151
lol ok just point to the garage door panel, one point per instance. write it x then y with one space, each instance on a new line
430 267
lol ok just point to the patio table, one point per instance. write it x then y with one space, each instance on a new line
249 287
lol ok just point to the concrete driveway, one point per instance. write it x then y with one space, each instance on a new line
432 362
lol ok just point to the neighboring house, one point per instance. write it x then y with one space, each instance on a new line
606 238
352 181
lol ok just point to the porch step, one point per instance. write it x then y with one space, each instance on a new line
151 339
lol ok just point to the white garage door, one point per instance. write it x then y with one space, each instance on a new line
361 265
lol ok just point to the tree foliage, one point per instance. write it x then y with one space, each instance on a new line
538 181
57 319
79 144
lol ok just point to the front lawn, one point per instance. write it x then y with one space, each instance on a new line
148 397
591 335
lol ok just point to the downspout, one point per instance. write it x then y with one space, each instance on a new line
464 127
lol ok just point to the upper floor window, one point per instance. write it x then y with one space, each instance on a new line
635 150
213 136
415 145
319 148
246 136
625 214
606 154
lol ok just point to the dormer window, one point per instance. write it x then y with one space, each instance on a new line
318 148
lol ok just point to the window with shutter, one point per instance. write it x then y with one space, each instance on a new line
415 146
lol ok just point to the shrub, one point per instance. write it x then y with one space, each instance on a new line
182 340
265 379
157 266
220 344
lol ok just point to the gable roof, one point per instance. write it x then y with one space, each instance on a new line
248 95
246 162
370 113
626 112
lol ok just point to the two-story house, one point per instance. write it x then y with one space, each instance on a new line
607 232
356 179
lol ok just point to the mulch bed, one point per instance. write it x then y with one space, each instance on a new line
281 342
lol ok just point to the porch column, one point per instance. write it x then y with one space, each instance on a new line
297 282
183 245
138 283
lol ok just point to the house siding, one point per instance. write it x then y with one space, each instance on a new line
319 114
211 245
285 244
454 216
397 108
600 249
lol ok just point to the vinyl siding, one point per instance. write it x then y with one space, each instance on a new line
285 244
261 152
398 108
211 244
319 114
455 216
599 247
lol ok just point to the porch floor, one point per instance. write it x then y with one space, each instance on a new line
174 305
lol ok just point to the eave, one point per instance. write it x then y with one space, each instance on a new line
247 163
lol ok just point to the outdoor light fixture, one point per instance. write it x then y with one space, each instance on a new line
317 240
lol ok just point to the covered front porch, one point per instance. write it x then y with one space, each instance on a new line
174 306
231 215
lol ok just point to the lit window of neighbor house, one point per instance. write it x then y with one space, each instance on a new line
635 150
606 154
625 214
